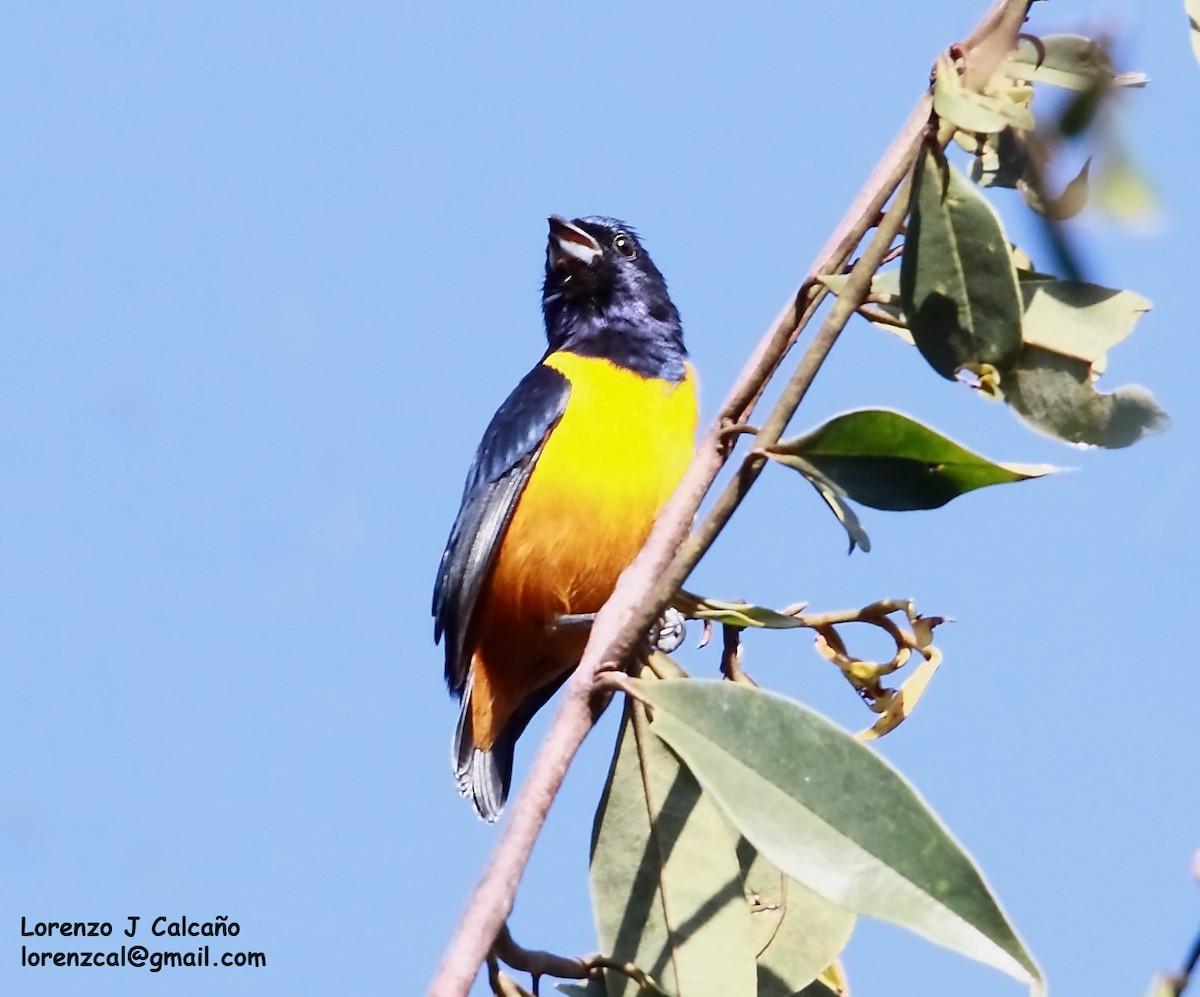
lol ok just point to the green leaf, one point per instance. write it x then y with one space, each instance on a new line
974 112
666 881
833 815
1069 61
831 493
797 932
1067 205
1054 393
957 282
886 460
1077 319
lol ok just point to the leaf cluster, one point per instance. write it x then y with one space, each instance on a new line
972 303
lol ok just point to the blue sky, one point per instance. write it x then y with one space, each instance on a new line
266 272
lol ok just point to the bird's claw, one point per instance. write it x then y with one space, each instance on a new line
668 633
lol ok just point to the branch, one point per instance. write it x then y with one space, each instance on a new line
1177 983
731 656
1183 977
537 963
665 561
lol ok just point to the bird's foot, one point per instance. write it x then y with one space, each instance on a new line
666 635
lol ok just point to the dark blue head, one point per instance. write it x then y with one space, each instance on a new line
604 297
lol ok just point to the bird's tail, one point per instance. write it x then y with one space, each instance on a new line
485 776
482 776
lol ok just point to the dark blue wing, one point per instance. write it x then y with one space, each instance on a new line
498 475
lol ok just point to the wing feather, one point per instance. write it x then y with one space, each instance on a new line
497 477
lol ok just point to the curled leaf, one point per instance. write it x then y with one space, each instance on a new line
923 627
904 700
831 493
1072 62
1067 205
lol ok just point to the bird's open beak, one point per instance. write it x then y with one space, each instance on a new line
570 246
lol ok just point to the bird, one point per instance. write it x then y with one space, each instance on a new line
562 492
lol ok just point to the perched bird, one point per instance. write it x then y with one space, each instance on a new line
562 493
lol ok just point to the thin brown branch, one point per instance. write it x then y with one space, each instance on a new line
1179 981
665 561
537 963
739 429
731 656
882 317
871 614
847 302
665 667
493 973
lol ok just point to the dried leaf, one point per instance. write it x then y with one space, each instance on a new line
904 699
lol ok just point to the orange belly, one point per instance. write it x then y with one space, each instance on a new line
607 468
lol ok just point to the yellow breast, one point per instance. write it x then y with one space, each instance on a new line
606 470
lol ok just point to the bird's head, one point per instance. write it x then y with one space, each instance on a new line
601 284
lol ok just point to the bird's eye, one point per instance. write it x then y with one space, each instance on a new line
625 246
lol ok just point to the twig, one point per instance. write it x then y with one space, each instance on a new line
663 666
1178 982
879 315
847 302
731 656
537 963
664 562
739 429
